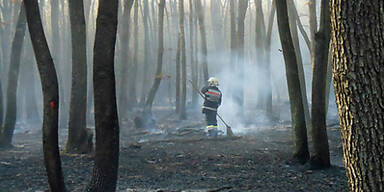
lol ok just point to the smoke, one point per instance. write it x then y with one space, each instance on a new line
247 118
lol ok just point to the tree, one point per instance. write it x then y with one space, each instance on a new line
296 43
104 174
124 54
267 48
300 26
233 33
260 40
178 74
160 52
312 22
50 97
242 10
1 105
8 10
192 46
200 17
57 54
320 157
217 25
301 152
148 52
79 140
6 133
29 78
358 74
183 61
133 69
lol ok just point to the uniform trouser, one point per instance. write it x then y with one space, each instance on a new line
210 118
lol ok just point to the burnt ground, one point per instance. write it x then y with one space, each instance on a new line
176 156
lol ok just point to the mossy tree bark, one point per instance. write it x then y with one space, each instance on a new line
358 73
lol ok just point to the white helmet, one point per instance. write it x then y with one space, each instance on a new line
213 81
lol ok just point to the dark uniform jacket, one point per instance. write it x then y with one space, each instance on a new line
212 96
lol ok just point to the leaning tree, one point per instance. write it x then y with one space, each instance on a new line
301 152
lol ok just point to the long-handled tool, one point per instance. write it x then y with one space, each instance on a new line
229 129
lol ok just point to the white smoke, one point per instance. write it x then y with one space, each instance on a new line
229 80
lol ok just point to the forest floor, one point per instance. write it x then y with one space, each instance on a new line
177 156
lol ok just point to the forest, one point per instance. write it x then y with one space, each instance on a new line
191 95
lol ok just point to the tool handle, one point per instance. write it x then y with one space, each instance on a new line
196 89
222 120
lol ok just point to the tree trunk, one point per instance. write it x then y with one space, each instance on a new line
320 157
200 17
13 78
196 50
79 141
1 82
147 51
57 53
357 33
312 22
268 100
295 38
328 81
233 46
32 107
183 98
297 109
233 34
260 40
50 97
217 25
301 28
104 174
125 54
160 51
8 10
192 45
90 41
132 95
1 106
55 33
177 82
242 10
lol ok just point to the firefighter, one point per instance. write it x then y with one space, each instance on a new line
212 100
